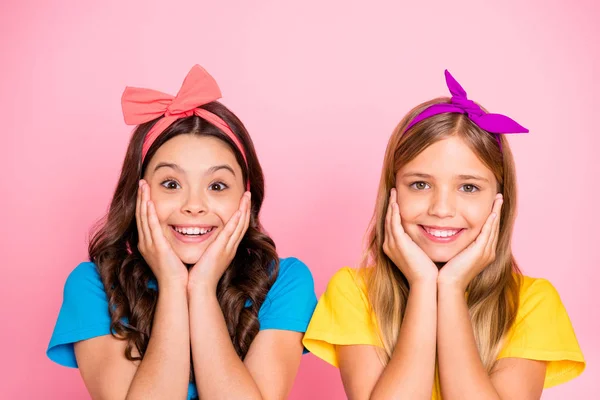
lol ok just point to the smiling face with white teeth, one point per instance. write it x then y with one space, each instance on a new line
445 195
196 185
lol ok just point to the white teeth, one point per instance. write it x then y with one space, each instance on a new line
440 233
193 231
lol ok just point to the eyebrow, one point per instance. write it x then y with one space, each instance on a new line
462 177
168 165
473 177
216 168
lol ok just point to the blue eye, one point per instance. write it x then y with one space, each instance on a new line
419 185
170 184
218 186
469 188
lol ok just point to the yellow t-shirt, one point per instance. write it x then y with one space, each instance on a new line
542 329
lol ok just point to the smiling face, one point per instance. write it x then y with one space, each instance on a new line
196 185
445 195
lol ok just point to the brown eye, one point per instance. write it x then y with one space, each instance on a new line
420 185
470 188
170 184
218 186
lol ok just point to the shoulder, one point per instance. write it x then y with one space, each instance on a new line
84 314
293 268
293 277
83 277
349 281
535 290
347 275
291 300
539 302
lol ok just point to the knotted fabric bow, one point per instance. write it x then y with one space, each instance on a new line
493 123
198 88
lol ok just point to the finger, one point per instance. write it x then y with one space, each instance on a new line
495 227
496 209
229 228
241 227
138 222
246 221
388 239
388 214
397 229
396 218
144 215
486 231
154 226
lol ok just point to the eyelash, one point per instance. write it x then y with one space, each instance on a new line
219 183
413 186
222 186
475 188
167 181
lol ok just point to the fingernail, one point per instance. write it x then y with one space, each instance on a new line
494 215
140 183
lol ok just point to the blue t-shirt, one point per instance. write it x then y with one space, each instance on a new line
84 313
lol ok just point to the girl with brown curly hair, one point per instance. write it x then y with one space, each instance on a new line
184 294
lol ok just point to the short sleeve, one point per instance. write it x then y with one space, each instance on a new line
342 317
83 315
543 331
291 300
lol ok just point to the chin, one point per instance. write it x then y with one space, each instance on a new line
190 256
440 258
440 255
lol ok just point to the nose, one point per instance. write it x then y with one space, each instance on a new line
442 204
195 203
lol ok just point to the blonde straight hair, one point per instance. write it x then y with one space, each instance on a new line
493 295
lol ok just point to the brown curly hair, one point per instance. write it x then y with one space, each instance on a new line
127 277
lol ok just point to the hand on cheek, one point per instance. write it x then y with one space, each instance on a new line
467 264
157 252
404 253
207 272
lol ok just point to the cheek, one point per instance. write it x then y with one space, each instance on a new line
165 206
476 213
411 208
225 207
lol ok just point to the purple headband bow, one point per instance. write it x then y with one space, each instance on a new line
493 123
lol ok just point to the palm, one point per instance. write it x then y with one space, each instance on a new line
210 260
400 248
467 264
220 252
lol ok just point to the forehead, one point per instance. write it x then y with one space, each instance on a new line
447 158
193 152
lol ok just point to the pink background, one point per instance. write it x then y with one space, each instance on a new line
320 86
